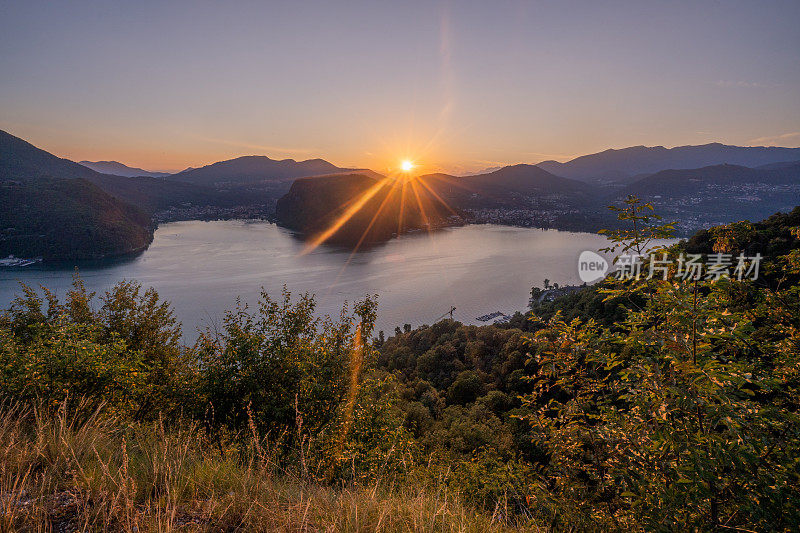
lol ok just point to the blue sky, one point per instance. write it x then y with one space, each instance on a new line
454 85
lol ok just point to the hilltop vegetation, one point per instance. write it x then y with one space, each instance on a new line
360 208
680 413
68 219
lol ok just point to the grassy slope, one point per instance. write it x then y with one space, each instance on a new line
59 474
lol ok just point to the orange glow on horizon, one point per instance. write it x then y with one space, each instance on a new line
410 187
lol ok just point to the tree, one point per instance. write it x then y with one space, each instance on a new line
681 416
642 231
466 388
125 354
280 370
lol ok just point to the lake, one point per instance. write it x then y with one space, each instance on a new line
202 266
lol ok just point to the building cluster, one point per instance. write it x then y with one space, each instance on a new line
207 212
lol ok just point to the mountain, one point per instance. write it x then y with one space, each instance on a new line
675 183
523 179
361 208
158 194
618 165
256 169
513 186
23 162
720 193
59 219
776 166
118 169
394 206
50 208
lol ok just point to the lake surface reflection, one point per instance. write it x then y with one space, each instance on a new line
201 267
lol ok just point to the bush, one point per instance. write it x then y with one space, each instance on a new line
126 354
281 371
466 388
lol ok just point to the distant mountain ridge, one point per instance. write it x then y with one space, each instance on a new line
24 162
523 179
313 204
719 193
255 168
510 187
622 164
688 181
51 207
119 169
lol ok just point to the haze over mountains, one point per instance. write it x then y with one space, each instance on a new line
112 214
255 169
119 169
624 164
720 193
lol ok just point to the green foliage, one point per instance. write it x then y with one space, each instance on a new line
683 415
284 372
68 219
641 404
683 418
466 388
642 230
458 388
125 354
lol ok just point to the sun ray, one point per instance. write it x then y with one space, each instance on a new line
435 195
354 208
422 212
394 186
402 211
385 201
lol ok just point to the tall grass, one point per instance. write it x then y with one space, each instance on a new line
61 471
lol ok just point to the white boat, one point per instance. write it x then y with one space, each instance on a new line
497 317
17 262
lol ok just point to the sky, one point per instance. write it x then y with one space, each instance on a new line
456 86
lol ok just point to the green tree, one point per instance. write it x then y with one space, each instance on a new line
682 416
125 354
643 230
282 371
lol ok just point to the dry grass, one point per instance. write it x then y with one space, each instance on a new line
62 473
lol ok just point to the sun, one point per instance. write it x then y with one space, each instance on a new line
406 165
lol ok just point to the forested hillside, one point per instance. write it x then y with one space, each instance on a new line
69 219
680 413
57 209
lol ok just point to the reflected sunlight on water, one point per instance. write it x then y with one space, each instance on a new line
202 266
